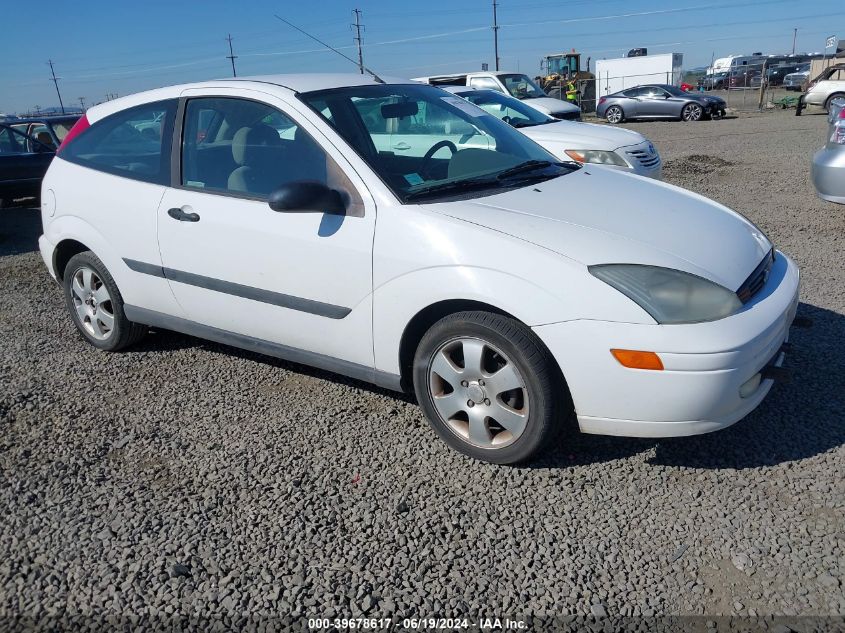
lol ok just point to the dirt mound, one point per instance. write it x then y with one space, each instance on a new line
696 164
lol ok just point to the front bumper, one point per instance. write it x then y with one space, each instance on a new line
829 173
643 159
706 365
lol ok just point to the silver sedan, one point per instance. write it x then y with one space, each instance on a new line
829 161
658 101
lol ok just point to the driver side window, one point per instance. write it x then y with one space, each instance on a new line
249 149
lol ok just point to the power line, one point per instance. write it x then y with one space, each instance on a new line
357 38
56 82
231 56
495 35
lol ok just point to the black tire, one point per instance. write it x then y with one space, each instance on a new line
835 95
124 332
545 389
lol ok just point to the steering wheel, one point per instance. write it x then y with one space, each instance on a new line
426 161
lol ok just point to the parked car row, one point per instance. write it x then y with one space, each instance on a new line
517 85
421 240
568 140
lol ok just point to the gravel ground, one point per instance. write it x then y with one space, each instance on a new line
183 477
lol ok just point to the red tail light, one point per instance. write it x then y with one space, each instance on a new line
78 128
602 100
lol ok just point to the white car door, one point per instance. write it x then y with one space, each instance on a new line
301 280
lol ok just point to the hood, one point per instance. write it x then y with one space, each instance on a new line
550 105
601 216
583 135
706 98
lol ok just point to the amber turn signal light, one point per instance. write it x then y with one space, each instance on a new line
637 360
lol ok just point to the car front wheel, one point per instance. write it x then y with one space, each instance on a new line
488 386
692 112
614 115
96 305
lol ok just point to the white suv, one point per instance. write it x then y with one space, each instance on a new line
398 234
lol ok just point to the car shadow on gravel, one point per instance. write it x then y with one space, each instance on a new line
19 230
167 341
799 419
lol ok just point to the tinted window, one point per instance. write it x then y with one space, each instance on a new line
14 142
521 87
133 143
246 147
485 83
11 142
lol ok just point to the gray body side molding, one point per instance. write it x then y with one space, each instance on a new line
310 306
313 359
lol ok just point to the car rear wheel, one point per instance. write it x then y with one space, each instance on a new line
835 95
614 115
488 386
96 305
692 112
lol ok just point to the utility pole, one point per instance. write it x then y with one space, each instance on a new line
56 81
496 34
358 26
231 56
794 37
82 103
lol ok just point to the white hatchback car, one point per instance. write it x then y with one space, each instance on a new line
398 234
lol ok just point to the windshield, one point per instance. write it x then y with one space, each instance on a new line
420 140
506 108
674 90
521 87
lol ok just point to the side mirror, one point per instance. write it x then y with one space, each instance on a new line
307 196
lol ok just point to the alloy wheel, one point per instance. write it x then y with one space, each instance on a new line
93 303
692 112
614 114
478 392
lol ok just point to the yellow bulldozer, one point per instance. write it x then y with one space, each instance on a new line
564 79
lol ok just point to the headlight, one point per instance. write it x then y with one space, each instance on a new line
670 296
597 156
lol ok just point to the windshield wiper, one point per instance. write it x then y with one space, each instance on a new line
458 185
519 124
529 165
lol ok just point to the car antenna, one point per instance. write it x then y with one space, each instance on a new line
319 41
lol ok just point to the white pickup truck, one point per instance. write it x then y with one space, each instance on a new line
517 85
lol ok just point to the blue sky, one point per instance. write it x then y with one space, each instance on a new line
101 47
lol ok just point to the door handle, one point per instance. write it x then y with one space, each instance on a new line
402 145
177 214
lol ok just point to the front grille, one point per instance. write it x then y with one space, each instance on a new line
567 116
645 158
757 279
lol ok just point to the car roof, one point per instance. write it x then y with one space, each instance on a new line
296 83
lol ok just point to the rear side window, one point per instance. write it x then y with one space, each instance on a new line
134 143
